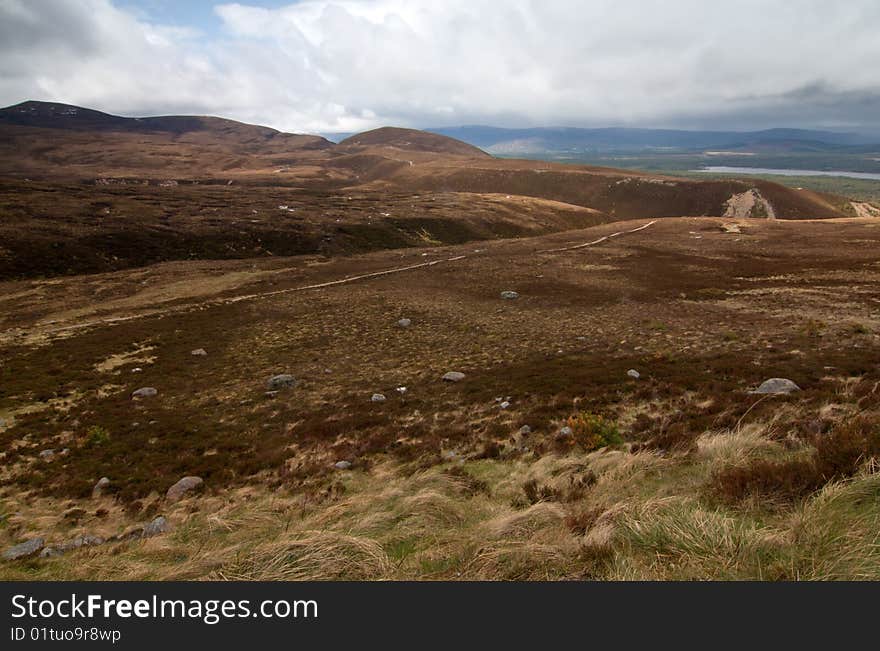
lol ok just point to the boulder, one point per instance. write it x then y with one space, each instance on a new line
509 296
404 323
100 487
182 487
47 455
282 381
157 526
342 465
143 392
634 374
377 397
199 352
24 550
453 376
777 385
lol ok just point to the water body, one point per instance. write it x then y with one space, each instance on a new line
722 169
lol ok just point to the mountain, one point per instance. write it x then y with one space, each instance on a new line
38 138
569 139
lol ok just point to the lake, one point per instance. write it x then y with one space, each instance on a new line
722 169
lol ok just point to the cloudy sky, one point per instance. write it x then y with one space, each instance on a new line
347 65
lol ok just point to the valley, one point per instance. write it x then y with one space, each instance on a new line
401 358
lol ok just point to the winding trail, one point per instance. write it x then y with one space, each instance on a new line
600 240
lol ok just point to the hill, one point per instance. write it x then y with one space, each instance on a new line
83 191
410 140
50 139
643 339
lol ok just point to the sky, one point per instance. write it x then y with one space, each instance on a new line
319 66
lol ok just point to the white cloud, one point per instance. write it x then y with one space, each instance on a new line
348 65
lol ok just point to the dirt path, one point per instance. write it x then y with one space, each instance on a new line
600 240
332 283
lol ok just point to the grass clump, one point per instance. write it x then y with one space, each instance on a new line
835 456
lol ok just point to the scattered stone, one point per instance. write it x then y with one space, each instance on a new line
47 455
378 397
505 404
98 490
453 376
199 352
70 545
404 323
143 392
282 381
183 487
509 296
565 432
342 465
157 526
137 369
525 430
401 390
634 374
777 385
24 550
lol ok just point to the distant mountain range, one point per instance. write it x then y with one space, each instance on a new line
573 140
566 139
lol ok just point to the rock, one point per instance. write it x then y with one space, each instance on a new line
565 432
509 296
24 550
99 488
377 397
401 390
634 374
156 526
143 392
199 352
342 465
777 385
70 545
404 323
525 430
182 487
47 455
453 376
505 404
282 381
271 394
137 369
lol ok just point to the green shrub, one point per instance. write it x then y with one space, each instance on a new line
97 436
591 431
